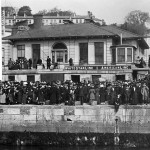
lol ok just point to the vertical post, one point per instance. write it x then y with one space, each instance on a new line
121 39
0 46
116 134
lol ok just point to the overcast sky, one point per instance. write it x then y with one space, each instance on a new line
112 11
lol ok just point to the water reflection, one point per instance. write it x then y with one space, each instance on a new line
66 148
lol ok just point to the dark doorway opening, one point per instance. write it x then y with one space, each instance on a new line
11 78
30 78
52 77
75 78
95 78
120 77
35 54
134 75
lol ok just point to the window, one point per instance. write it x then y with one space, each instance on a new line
9 21
129 54
99 52
59 20
76 20
60 53
83 52
59 56
114 56
20 51
121 54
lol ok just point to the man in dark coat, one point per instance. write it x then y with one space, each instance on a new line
48 62
81 94
134 95
30 63
53 95
102 93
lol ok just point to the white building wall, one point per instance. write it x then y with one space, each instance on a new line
37 77
14 53
147 51
108 51
19 78
91 53
76 49
28 52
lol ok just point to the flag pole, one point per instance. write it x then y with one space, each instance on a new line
121 39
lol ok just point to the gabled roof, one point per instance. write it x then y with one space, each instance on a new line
119 31
127 35
62 31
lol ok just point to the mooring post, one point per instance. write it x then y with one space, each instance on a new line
116 134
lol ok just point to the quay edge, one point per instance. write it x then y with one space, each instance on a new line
74 125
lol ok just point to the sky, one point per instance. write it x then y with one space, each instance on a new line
112 11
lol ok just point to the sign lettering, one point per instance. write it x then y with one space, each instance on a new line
96 67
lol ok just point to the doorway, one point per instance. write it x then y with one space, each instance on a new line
75 78
120 77
35 54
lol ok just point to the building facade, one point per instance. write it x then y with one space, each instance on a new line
97 52
50 20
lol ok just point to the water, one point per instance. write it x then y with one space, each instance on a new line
66 148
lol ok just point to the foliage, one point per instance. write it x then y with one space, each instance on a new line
135 22
55 11
8 10
137 17
24 10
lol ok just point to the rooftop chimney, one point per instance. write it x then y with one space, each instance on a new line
38 20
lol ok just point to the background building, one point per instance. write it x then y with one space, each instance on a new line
108 52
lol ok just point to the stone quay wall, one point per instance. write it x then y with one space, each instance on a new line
74 119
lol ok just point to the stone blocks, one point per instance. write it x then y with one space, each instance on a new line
74 119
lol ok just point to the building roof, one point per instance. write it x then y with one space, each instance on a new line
62 31
49 17
119 31
88 30
127 35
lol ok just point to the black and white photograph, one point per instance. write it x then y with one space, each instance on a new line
75 75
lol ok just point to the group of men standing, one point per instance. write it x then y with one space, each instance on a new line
57 92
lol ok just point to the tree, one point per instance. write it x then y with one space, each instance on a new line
8 10
135 22
24 10
137 17
55 11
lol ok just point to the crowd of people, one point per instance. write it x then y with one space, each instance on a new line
20 63
24 63
68 93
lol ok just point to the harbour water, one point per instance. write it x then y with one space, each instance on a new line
67 148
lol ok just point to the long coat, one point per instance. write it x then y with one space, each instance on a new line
139 96
92 94
134 94
24 96
97 96
145 94
102 94
53 95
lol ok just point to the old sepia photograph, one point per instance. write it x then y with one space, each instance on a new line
75 75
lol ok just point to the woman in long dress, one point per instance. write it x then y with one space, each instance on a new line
92 94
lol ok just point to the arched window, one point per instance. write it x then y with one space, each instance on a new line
59 53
